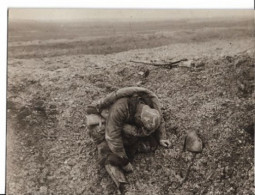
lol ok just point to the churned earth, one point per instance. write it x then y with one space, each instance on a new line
49 150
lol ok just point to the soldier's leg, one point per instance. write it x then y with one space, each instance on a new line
103 152
115 160
111 163
130 140
105 156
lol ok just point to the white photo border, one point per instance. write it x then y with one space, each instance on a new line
125 4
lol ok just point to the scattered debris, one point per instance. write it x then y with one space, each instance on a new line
139 83
188 64
141 73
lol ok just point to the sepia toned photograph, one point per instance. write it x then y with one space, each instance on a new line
130 101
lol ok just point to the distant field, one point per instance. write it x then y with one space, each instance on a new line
30 39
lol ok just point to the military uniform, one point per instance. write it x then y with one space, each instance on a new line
122 135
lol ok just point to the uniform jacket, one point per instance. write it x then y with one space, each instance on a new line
123 107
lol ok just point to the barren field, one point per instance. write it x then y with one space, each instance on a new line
56 70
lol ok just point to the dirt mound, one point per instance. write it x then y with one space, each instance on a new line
52 151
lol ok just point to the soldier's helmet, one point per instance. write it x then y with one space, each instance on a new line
150 118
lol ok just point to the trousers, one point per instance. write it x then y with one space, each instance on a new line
132 146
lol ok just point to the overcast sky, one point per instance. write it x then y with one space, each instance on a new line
120 14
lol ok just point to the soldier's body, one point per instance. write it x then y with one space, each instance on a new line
134 123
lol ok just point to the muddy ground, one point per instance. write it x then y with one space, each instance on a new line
48 147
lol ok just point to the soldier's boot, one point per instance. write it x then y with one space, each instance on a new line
122 189
117 176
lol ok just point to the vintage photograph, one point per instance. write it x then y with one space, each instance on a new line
130 101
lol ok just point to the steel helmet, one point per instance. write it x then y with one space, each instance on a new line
150 118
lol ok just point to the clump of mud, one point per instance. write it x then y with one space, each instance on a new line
52 151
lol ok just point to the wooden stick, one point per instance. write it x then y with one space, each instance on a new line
165 65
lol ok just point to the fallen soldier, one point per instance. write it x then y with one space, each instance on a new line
130 121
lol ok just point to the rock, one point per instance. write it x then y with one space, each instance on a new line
229 58
43 190
146 73
250 129
24 111
193 143
139 83
39 105
141 73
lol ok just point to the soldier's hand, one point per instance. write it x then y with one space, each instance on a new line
165 143
128 168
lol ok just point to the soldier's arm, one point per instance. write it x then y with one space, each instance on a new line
114 126
162 130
